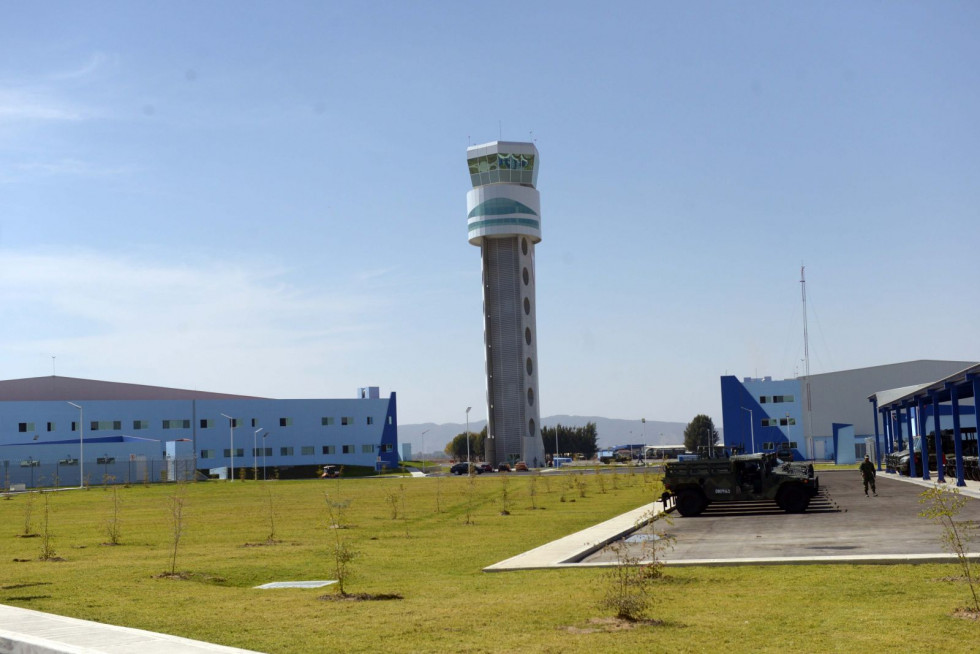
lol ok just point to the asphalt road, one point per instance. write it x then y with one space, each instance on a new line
841 521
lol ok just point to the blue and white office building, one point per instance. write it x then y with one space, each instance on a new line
825 416
64 430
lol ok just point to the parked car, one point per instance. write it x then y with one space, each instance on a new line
503 467
520 466
484 467
330 472
461 468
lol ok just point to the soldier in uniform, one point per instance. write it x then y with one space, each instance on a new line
868 473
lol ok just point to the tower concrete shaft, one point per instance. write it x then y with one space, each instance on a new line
504 220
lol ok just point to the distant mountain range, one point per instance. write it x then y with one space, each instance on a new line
611 431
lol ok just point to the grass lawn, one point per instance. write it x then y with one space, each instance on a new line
445 532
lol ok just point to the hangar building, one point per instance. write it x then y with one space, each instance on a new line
64 430
760 414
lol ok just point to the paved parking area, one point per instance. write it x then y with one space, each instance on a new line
842 525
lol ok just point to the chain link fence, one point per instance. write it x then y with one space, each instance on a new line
32 473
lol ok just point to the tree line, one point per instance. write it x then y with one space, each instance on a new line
571 440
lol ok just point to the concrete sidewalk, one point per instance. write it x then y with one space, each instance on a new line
23 631
564 552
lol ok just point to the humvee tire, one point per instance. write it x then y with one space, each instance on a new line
793 499
690 503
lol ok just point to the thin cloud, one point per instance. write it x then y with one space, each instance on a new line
96 62
27 105
170 323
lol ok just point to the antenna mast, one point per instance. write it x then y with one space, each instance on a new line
806 365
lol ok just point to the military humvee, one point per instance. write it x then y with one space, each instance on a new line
695 484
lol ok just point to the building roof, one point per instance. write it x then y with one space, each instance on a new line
53 388
910 393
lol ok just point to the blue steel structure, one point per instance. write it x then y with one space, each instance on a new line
130 425
915 406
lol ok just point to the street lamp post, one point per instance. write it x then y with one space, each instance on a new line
422 436
468 433
751 427
264 466
81 445
255 455
789 432
231 451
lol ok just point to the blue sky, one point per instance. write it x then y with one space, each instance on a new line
269 198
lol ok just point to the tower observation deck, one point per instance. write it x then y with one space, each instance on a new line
504 220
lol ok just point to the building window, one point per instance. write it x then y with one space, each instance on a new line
97 425
387 447
74 426
777 399
208 454
326 421
285 451
239 452
763 399
307 450
207 424
792 445
329 449
50 426
348 449
787 421
346 420
141 424
370 420
176 424
285 422
25 426
254 422
768 445
390 420
367 449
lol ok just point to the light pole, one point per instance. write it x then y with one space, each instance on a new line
422 436
231 451
264 467
468 433
789 433
751 427
81 445
255 455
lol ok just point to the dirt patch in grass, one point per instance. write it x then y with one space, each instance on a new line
966 613
265 543
360 597
611 625
191 576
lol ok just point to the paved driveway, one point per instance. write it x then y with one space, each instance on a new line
841 522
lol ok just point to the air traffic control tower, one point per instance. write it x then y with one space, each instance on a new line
504 220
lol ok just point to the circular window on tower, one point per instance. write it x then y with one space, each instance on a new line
530 426
524 245
527 335
530 396
527 277
527 307
530 366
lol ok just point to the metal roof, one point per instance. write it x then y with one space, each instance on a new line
53 388
909 393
